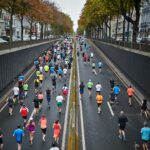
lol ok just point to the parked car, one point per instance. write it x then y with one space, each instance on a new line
138 40
2 41
16 38
145 40
6 38
26 38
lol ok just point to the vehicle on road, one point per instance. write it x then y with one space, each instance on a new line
2 40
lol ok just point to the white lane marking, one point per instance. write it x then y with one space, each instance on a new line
31 116
3 107
81 113
66 115
11 90
111 111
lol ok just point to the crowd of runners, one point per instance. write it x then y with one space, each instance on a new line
85 54
54 64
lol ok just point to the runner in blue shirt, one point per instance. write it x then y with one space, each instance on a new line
145 135
18 133
60 72
116 90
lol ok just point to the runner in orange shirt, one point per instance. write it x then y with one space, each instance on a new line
130 92
99 100
43 125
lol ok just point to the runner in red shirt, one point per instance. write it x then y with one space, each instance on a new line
24 113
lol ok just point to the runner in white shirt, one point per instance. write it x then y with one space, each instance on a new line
59 100
16 93
98 88
65 72
41 69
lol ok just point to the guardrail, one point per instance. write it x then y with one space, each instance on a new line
131 45
9 45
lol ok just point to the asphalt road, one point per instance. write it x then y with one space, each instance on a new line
101 130
8 124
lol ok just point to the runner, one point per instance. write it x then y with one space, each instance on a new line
41 78
43 125
122 120
1 140
65 72
145 136
100 66
81 87
40 98
48 96
57 131
112 98
65 91
144 108
130 92
36 105
18 133
91 55
10 105
41 68
52 71
112 83
85 58
25 89
94 68
31 128
98 88
60 73
54 147
24 113
99 100
116 90
36 85
54 83
59 100
89 86
16 94
46 69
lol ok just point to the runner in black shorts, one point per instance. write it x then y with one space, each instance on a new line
1 140
122 120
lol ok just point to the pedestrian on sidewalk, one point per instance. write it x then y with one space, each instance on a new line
43 125
145 136
31 128
19 133
144 108
130 92
122 120
1 140
57 131
99 100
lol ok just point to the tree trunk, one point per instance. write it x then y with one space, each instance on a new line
41 34
110 28
21 23
123 33
116 28
135 32
11 26
36 30
30 35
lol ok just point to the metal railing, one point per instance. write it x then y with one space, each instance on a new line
131 45
15 44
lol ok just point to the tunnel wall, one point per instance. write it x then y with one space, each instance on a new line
12 64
